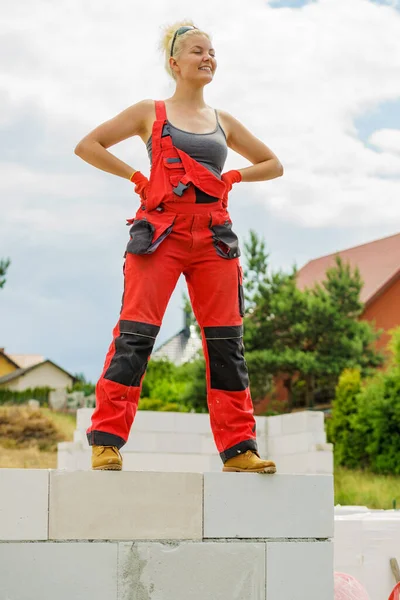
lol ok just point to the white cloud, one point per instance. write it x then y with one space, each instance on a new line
297 78
387 140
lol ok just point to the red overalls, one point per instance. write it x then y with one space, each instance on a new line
172 234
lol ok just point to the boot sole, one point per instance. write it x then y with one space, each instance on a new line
108 468
268 470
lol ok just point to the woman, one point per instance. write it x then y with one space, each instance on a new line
182 226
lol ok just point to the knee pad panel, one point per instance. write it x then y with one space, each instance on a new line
228 369
133 347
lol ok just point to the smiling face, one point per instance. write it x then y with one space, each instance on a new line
196 60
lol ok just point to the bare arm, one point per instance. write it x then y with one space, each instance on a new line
128 123
266 164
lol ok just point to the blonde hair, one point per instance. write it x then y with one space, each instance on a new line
167 37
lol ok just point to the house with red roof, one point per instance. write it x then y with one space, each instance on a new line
379 266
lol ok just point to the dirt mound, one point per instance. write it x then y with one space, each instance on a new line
24 427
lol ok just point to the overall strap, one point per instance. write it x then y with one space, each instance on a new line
161 113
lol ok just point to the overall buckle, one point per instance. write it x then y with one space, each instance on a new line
180 188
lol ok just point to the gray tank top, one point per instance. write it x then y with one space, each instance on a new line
209 149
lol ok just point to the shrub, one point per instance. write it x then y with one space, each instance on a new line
8 397
160 405
365 424
343 429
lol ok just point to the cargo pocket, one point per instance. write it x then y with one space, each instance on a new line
241 291
225 240
147 234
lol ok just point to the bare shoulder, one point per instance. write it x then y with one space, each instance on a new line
128 123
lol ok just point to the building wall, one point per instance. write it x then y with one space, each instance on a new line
42 376
5 366
385 311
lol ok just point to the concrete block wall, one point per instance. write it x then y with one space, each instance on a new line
165 536
365 541
183 442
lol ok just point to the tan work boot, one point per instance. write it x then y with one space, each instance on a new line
106 458
249 462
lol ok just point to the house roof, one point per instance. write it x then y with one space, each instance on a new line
181 347
9 359
26 360
19 372
378 262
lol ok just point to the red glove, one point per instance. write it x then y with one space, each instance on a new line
231 177
141 184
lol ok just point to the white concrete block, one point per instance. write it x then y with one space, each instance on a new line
79 436
192 423
306 463
295 443
148 420
304 421
208 444
121 505
299 570
261 425
348 549
165 462
274 425
251 505
349 510
61 571
24 504
381 542
83 417
141 441
74 456
195 571
179 443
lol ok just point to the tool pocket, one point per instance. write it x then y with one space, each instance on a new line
225 240
241 291
148 233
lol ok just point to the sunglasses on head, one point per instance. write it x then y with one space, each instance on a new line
180 31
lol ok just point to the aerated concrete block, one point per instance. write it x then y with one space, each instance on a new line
304 421
58 571
253 505
295 443
274 426
192 571
299 570
24 504
141 441
172 463
73 456
125 505
307 463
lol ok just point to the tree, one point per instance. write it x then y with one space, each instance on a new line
307 337
4 264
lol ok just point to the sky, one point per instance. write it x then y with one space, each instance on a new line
317 81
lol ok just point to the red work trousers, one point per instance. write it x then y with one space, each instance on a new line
191 239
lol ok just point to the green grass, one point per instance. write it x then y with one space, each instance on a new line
366 489
65 422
